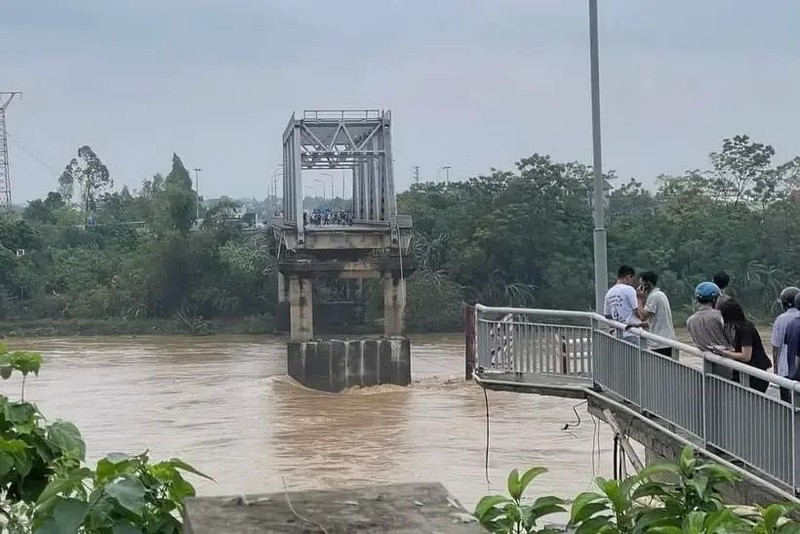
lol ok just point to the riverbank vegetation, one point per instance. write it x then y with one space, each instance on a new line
524 237
47 488
680 498
90 258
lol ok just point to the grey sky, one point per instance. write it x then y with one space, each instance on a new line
471 83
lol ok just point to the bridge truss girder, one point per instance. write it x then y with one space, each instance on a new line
359 141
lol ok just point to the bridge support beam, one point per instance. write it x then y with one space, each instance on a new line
661 445
394 305
301 309
283 289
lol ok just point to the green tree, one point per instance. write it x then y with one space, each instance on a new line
90 174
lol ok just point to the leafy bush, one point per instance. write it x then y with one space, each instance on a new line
686 499
46 488
508 515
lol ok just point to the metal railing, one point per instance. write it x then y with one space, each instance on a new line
686 394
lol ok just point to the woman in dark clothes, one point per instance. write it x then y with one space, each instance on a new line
747 345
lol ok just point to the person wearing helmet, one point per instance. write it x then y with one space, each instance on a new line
705 325
779 347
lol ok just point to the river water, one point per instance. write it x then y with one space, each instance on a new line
224 405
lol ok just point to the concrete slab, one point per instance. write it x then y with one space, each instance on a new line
389 509
570 387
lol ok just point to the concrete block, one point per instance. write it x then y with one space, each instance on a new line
385 364
369 362
388 509
339 364
296 361
353 355
402 363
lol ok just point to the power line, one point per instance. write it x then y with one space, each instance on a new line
33 155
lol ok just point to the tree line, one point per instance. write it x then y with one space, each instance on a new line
520 237
86 251
524 237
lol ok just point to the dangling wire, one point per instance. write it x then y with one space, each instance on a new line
486 455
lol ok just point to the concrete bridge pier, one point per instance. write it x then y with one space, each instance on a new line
394 305
301 308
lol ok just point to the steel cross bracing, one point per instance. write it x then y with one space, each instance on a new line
359 141
5 174
5 167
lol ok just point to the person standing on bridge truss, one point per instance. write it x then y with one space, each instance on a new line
621 303
779 347
655 309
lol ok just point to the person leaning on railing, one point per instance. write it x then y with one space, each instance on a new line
621 304
705 325
747 345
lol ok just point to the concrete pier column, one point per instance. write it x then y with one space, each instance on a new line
394 305
301 309
283 289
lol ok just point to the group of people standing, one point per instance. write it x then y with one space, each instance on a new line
326 216
718 325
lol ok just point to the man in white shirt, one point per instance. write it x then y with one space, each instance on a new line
620 303
779 360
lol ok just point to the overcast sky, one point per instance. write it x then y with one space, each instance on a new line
471 83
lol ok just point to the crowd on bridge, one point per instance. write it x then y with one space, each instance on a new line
718 325
327 216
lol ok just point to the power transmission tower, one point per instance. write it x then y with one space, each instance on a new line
5 170
416 174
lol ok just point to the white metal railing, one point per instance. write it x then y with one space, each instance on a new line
689 393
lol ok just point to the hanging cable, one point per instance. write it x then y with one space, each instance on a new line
486 453
568 426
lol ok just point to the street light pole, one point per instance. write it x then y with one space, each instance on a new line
600 252
197 190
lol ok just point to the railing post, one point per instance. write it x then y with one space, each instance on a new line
639 366
470 321
795 440
708 368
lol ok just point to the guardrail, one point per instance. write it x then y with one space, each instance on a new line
689 393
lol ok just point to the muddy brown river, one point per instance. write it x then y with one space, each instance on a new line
225 405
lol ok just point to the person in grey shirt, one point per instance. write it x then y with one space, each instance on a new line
655 309
706 326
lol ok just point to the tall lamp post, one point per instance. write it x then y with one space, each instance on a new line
197 190
447 175
599 234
